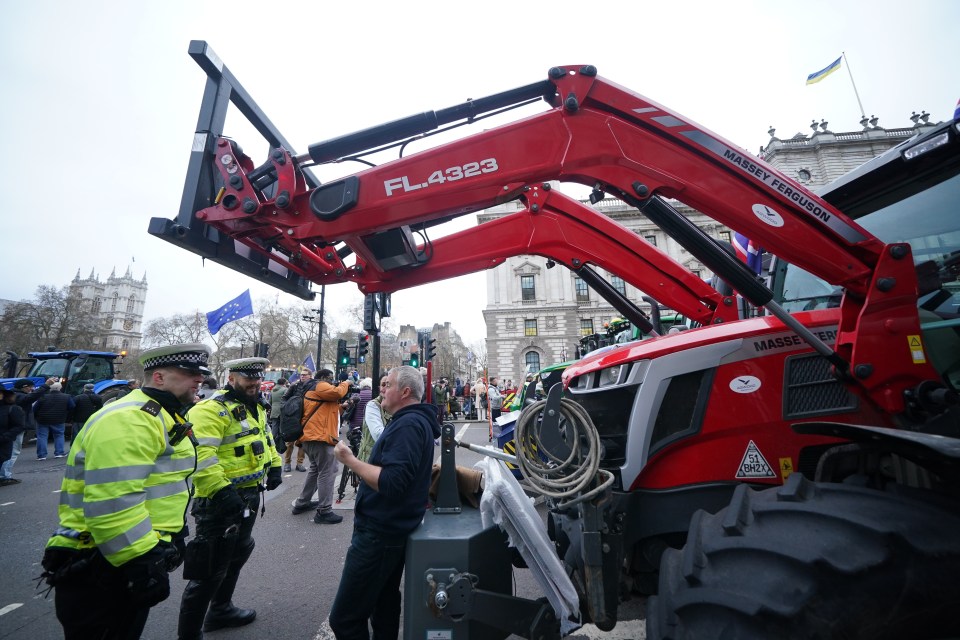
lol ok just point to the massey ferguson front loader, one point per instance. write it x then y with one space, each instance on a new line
648 434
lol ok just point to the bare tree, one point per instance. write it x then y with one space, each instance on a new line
54 318
478 351
175 329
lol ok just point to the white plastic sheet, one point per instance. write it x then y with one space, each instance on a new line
504 503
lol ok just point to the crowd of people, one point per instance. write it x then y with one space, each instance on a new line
123 524
183 444
47 413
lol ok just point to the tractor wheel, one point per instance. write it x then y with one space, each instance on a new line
809 560
111 394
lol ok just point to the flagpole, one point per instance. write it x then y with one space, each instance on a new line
863 114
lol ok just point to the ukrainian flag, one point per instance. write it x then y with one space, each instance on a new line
823 73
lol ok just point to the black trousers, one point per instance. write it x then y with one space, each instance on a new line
217 590
96 605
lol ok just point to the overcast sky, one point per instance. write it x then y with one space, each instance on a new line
100 103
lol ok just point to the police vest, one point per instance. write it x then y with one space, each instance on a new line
125 486
233 447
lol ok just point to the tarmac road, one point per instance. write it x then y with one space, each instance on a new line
290 580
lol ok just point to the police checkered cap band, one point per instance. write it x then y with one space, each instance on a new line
186 356
250 367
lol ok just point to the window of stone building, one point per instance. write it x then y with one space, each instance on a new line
619 285
651 239
586 326
96 304
725 237
532 360
530 327
528 288
581 288
130 303
113 306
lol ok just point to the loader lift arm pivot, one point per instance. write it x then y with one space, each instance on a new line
595 133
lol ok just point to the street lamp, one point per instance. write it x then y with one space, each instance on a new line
318 320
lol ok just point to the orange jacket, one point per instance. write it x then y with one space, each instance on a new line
324 424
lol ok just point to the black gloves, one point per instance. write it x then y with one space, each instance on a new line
147 577
343 376
227 505
273 478
179 542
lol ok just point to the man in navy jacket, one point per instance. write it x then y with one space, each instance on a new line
389 506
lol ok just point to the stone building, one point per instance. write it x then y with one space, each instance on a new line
535 314
118 303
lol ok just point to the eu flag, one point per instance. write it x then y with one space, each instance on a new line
239 307
309 363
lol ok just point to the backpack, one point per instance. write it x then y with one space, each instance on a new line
291 414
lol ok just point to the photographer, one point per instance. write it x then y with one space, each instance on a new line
321 433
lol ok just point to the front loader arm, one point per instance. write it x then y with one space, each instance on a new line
559 227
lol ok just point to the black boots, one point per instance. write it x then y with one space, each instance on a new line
226 615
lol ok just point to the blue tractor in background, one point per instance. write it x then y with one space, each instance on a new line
73 367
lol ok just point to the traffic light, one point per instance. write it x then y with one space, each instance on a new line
363 345
262 349
430 348
370 312
343 354
415 360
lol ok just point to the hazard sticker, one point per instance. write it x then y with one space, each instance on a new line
916 350
754 465
786 468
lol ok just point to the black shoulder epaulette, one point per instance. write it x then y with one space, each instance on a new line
152 407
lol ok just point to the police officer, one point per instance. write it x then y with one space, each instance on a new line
123 501
235 456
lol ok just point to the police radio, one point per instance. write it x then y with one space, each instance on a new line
180 431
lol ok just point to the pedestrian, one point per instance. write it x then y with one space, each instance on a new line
389 506
304 380
495 398
277 397
26 394
366 395
480 393
86 404
441 398
123 502
208 388
235 455
12 423
52 411
374 421
467 400
321 431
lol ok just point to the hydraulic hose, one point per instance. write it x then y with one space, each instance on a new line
566 480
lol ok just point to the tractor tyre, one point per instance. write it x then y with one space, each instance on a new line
814 560
111 394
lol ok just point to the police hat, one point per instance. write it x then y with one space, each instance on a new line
248 367
24 382
192 357
6 391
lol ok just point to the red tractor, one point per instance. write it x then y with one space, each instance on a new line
682 423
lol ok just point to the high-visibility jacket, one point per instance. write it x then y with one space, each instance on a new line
226 434
125 487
